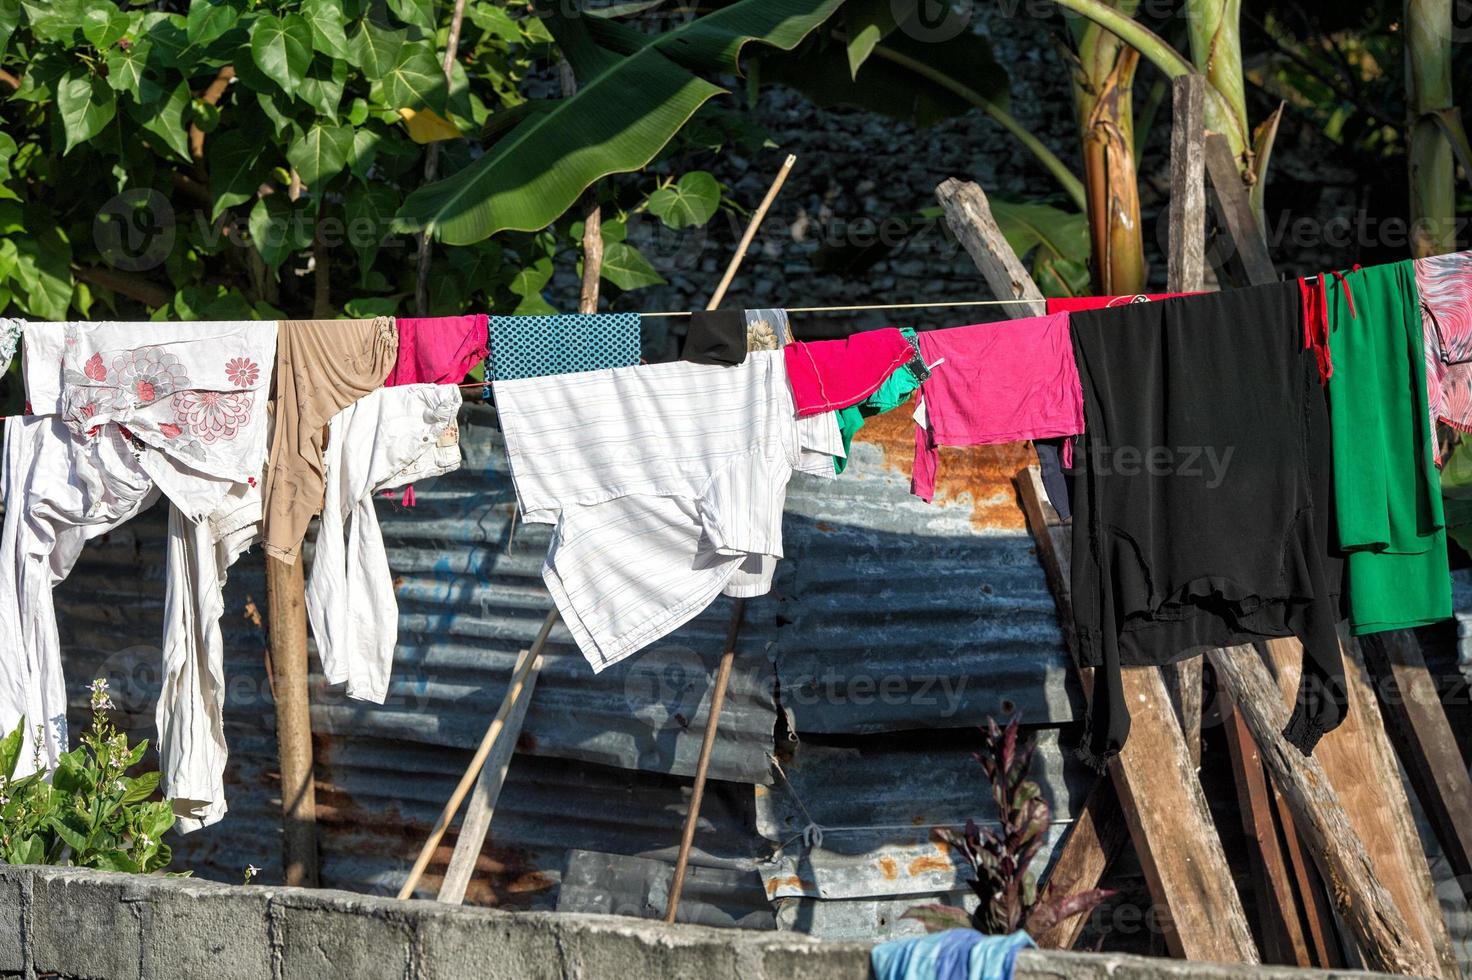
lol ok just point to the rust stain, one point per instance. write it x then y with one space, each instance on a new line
982 473
791 881
889 868
923 864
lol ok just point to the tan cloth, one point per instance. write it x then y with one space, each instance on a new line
322 367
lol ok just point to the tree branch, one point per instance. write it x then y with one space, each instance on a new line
145 291
212 95
9 79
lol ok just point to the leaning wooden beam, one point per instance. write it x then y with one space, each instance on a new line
1318 919
1279 915
1096 839
477 820
1186 259
1383 936
528 663
1423 738
286 618
1360 764
1164 807
970 219
1235 211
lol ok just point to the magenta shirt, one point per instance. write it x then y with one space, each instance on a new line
438 350
826 375
995 383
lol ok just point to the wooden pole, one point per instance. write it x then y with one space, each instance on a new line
750 233
527 664
286 612
728 655
1186 263
969 217
707 745
1384 938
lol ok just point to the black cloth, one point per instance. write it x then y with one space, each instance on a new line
1050 462
1202 495
716 337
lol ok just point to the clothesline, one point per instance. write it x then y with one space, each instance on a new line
871 306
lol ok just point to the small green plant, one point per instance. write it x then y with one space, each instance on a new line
90 813
1000 859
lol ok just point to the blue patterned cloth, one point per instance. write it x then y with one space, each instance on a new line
956 954
538 346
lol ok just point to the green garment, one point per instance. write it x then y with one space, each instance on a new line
895 391
1387 492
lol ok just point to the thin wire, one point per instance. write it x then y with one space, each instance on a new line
876 306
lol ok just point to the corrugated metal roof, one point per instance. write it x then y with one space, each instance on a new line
888 615
899 614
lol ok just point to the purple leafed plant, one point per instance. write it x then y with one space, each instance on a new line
1000 859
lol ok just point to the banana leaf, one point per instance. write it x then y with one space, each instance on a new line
635 93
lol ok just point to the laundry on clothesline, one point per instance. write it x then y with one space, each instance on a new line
1201 495
438 350
542 346
665 485
1000 382
388 438
727 336
1256 462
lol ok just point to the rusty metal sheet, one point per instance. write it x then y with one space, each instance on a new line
614 884
854 817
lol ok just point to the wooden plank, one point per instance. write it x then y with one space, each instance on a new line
1183 680
970 218
1358 759
1186 258
528 663
1385 939
1250 248
1423 738
476 823
1094 842
286 618
1185 867
1278 910
1318 917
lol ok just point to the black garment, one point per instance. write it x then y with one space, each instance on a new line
1050 462
1202 495
716 337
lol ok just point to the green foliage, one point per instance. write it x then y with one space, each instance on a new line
1001 859
636 91
91 814
223 153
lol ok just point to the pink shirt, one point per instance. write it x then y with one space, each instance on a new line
438 350
827 375
995 383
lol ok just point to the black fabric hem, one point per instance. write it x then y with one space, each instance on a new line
1304 732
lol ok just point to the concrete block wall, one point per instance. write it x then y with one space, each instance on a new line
70 923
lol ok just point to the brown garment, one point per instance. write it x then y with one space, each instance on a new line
322 367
